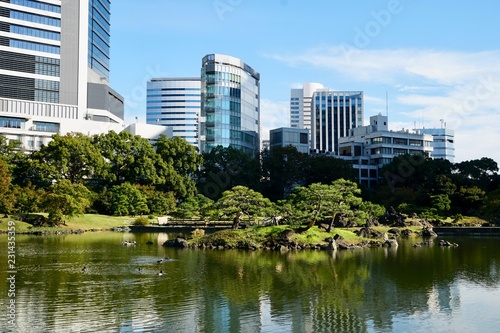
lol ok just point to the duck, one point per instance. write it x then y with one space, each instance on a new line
84 269
160 273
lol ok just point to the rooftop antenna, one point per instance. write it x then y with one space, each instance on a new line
442 122
387 104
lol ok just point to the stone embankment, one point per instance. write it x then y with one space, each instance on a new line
285 242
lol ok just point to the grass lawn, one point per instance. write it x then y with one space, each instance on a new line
257 235
85 222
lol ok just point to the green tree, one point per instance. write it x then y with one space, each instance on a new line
158 202
73 157
129 159
225 168
441 203
28 198
468 199
6 196
283 169
126 199
8 149
197 206
178 153
318 201
490 208
369 212
478 173
326 169
29 169
241 201
66 200
182 162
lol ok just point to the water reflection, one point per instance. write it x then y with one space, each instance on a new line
367 290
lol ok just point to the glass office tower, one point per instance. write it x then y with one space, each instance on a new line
230 104
99 36
334 114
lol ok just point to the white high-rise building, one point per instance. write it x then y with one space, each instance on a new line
371 147
443 143
300 105
176 103
54 70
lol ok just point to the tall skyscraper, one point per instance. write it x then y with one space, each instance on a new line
175 102
334 114
54 69
300 105
230 104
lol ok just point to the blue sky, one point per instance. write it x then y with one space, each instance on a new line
435 59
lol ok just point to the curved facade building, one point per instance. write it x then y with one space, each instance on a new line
230 104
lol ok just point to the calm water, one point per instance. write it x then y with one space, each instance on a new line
428 289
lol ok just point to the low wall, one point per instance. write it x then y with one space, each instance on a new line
467 231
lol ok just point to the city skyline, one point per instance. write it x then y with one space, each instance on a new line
431 61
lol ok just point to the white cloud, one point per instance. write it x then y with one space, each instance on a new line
273 115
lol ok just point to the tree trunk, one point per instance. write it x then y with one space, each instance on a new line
237 220
334 220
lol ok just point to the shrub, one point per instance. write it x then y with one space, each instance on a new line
141 221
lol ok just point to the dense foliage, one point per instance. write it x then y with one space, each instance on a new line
121 174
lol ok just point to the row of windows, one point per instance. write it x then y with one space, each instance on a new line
224 91
47 96
211 77
37 5
103 7
45 127
174 101
172 89
170 113
39 33
12 122
155 120
173 107
171 119
97 29
46 85
29 64
98 67
46 69
55 22
34 46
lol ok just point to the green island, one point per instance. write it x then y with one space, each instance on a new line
111 181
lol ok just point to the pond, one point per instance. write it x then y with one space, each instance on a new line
91 283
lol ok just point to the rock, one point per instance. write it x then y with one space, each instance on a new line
445 243
286 235
177 242
332 245
424 243
406 233
395 231
428 232
128 243
391 243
